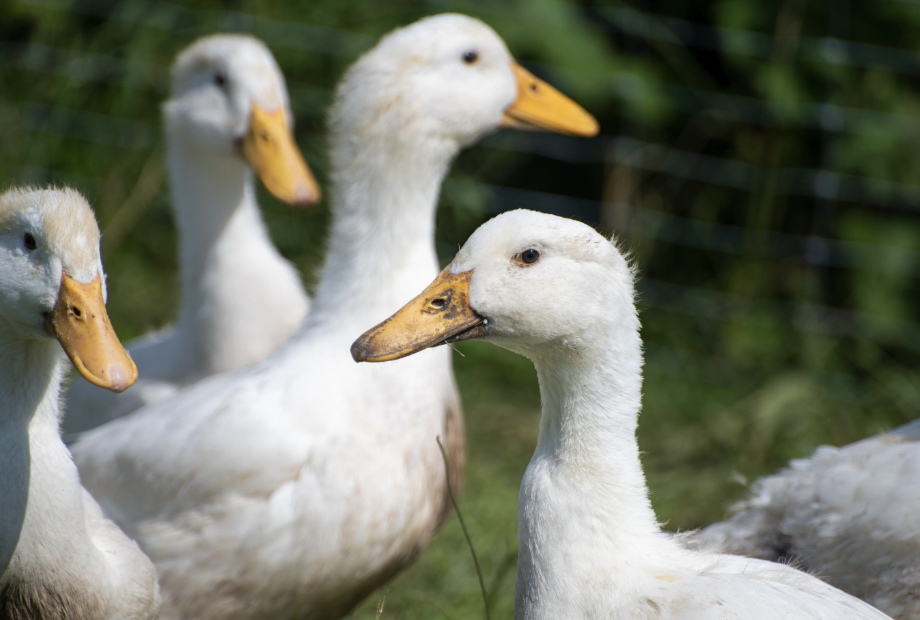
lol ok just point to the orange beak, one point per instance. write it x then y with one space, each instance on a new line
540 106
80 323
440 314
269 147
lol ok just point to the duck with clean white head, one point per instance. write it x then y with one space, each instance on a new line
294 488
228 116
557 292
59 557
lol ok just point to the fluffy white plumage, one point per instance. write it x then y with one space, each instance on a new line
589 543
847 514
59 557
241 299
294 488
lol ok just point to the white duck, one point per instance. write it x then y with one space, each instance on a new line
59 558
228 116
848 514
294 488
557 292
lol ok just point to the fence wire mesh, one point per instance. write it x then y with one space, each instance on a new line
759 159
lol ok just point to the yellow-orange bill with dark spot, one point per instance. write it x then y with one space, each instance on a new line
540 106
440 314
80 323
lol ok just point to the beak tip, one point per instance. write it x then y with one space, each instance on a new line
306 195
120 379
359 351
593 129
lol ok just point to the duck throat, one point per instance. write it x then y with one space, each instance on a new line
584 502
31 369
232 276
591 404
212 196
38 474
381 247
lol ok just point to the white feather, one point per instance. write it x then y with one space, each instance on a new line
59 557
589 544
294 488
847 514
241 299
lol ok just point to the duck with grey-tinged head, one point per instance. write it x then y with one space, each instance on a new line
228 118
294 488
847 514
59 557
557 292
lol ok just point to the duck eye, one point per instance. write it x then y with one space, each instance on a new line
470 56
220 80
29 241
529 257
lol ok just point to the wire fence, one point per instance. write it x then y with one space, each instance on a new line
630 147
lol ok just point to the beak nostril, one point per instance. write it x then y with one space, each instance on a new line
76 311
438 302
534 87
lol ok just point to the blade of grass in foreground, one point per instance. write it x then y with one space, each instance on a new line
466 534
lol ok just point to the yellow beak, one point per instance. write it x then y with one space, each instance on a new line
539 105
80 323
269 147
441 314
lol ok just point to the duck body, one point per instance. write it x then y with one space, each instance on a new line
573 566
65 560
59 557
297 517
847 514
320 480
589 543
241 300
293 488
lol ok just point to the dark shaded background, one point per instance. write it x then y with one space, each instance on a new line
758 158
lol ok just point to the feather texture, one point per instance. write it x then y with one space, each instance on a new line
241 299
60 559
847 514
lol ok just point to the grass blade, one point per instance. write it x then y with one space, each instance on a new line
466 534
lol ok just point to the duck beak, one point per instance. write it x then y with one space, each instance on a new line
440 315
80 323
540 106
268 146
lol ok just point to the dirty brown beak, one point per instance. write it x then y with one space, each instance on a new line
440 315
80 323
269 147
540 106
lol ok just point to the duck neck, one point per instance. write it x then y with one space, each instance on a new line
221 236
591 400
30 367
584 494
41 509
381 248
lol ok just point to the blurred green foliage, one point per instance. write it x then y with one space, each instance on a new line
758 159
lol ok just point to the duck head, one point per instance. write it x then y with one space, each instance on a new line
229 98
448 80
529 282
52 284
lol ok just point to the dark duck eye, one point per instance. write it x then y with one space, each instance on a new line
470 56
29 241
530 256
220 79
